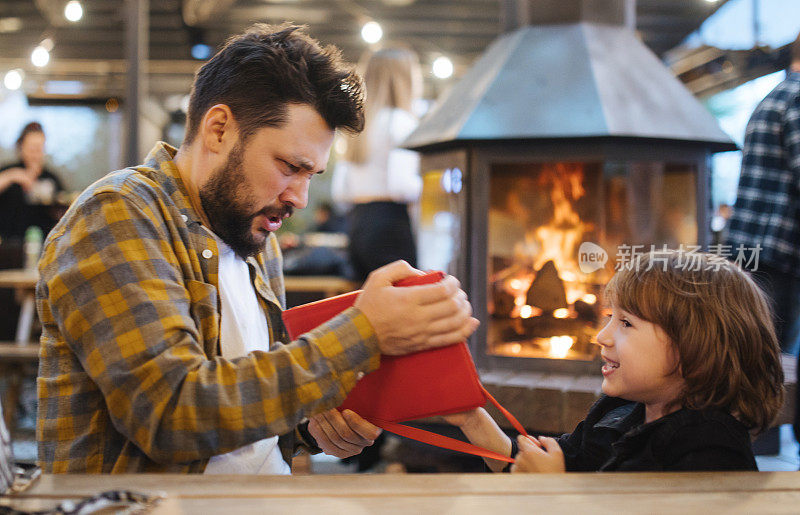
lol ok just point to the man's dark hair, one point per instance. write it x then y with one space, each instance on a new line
29 129
796 50
259 72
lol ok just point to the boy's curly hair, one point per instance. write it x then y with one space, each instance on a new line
721 325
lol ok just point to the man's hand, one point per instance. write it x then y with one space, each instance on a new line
531 458
413 318
342 434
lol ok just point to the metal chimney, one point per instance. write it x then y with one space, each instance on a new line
573 69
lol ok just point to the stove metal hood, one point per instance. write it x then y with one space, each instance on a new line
565 81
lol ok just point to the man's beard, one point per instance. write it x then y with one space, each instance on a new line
228 208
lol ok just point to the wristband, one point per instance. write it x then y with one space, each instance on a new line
514 451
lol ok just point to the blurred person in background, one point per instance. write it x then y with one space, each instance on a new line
27 192
766 216
320 251
379 179
376 177
326 219
27 188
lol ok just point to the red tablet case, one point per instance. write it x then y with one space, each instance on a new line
433 382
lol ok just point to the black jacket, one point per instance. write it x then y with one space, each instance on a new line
614 437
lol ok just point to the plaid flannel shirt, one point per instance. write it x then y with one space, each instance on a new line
130 376
767 210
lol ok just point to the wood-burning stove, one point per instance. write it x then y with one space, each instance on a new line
508 219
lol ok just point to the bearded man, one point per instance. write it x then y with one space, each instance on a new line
161 289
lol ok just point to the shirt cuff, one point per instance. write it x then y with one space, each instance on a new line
305 440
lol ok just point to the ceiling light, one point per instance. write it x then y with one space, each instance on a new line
13 79
10 24
40 56
73 11
442 67
371 32
201 51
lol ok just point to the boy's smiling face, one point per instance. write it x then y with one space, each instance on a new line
640 362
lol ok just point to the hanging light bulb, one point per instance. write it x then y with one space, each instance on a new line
73 11
13 79
371 32
442 67
40 56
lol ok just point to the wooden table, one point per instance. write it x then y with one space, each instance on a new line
484 494
328 285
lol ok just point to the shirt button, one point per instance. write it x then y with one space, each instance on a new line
359 376
185 218
207 254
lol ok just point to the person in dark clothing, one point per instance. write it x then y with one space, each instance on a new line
766 216
27 188
691 368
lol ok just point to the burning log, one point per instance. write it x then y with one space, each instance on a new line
586 311
547 291
503 301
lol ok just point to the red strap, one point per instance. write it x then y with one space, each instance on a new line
514 422
438 440
450 443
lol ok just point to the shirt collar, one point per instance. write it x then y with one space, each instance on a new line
161 161
623 417
225 250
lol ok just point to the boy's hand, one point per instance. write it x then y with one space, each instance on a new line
531 458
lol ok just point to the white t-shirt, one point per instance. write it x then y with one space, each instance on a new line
243 329
390 172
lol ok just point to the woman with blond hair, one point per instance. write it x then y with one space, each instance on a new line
376 177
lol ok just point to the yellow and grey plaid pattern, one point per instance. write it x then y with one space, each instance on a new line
130 377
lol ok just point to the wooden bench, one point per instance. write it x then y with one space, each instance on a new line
327 285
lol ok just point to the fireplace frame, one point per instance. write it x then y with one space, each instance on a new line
475 159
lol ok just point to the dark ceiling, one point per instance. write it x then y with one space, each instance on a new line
461 29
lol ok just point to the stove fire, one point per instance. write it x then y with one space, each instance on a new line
541 303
